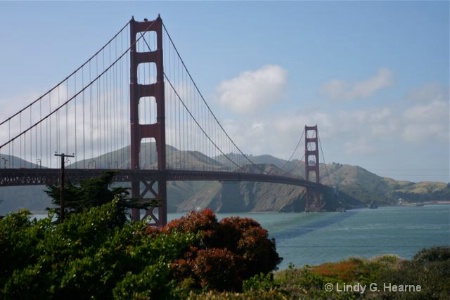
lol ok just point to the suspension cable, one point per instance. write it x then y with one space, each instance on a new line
67 101
324 162
196 122
209 109
187 109
67 77
57 109
293 152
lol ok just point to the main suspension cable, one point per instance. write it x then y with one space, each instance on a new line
204 101
67 77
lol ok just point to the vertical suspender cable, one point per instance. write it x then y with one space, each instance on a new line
83 105
31 139
75 130
99 129
66 136
91 114
49 148
20 139
41 138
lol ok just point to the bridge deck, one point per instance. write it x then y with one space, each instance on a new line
17 177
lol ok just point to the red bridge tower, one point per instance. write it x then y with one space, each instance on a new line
313 201
155 130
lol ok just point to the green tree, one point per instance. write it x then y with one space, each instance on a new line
88 256
93 255
89 193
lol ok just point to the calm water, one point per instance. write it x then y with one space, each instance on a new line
315 238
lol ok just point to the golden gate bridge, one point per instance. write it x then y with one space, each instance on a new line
133 107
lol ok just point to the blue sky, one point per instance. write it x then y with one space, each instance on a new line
374 76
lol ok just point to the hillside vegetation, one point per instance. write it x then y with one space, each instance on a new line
96 254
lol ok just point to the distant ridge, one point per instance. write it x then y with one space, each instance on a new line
355 185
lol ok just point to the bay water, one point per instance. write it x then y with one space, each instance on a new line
315 238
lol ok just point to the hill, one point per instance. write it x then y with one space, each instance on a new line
245 196
33 198
355 185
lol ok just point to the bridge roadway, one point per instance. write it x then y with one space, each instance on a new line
17 177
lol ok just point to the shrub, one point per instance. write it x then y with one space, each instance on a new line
87 256
217 269
92 255
203 223
429 268
251 243
153 282
16 241
259 282
434 254
226 252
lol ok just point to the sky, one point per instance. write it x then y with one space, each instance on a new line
372 75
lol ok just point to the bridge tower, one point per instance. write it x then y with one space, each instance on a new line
313 201
155 130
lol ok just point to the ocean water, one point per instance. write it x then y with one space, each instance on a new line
314 238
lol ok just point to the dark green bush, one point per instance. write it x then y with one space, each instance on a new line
429 269
259 282
84 257
91 255
434 254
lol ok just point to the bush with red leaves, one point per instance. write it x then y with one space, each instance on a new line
225 253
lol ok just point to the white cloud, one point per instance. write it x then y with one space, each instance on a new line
349 132
349 135
253 90
426 122
341 90
359 146
428 118
428 92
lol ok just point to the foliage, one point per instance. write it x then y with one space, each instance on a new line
309 282
18 239
91 192
94 254
90 255
434 254
259 282
429 268
272 294
427 192
226 253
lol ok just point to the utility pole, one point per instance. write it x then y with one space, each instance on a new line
61 185
4 161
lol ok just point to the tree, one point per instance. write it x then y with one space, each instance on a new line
92 256
86 258
94 192
90 193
